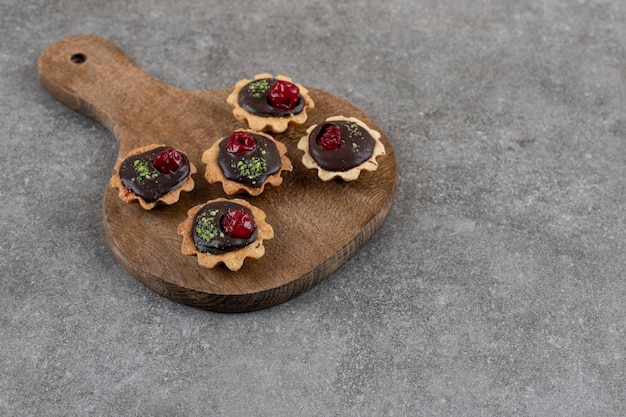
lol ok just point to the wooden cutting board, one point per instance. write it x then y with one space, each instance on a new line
318 225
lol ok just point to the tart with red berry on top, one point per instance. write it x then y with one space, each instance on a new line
152 175
269 103
246 161
223 231
341 147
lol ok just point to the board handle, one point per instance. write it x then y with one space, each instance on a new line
91 75
79 70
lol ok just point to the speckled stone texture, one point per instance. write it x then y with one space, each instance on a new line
496 287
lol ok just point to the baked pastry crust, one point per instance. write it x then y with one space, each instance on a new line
167 199
234 259
276 124
353 173
213 173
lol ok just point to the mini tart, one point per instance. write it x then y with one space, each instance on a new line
149 176
217 155
359 148
261 122
233 259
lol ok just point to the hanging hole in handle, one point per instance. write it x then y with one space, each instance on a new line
78 58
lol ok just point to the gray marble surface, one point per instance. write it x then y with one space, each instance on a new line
496 287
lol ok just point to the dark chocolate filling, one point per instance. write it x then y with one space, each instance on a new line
250 168
356 147
139 175
208 235
253 97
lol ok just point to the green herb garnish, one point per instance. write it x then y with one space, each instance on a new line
353 128
252 168
144 171
206 229
257 88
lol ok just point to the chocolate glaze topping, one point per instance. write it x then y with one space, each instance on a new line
253 97
208 223
250 168
356 146
139 174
